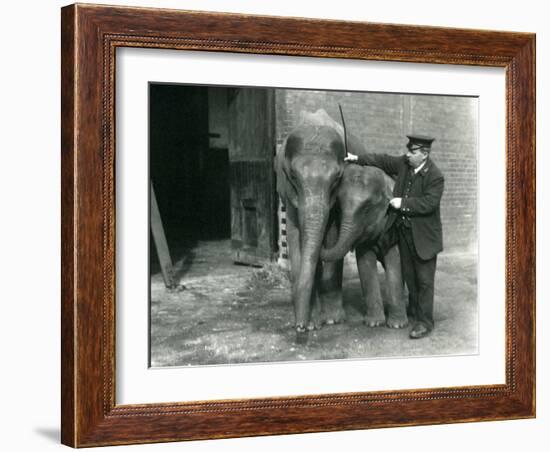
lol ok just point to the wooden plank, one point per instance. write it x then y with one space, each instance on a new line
161 244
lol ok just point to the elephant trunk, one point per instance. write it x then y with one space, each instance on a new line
313 221
349 233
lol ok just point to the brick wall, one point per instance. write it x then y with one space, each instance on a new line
381 121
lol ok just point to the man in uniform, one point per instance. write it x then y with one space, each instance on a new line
414 222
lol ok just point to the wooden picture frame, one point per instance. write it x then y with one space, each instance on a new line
90 36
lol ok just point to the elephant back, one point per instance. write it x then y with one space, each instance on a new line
320 118
369 178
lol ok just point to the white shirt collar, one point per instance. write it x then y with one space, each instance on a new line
419 167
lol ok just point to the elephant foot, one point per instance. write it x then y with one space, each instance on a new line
397 321
313 326
374 321
334 316
397 317
302 334
316 319
332 308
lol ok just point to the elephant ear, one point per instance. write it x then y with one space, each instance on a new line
389 184
386 189
286 190
376 218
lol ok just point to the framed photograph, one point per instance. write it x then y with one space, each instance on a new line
282 225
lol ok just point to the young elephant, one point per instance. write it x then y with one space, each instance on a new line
308 170
363 195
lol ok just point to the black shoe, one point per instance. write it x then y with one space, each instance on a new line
419 331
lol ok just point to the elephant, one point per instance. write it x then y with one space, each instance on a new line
308 169
363 197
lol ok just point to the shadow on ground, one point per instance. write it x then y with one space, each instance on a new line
226 314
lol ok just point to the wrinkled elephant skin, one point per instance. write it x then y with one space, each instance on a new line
309 168
363 196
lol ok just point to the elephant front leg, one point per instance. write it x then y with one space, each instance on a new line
295 256
397 311
316 319
368 275
293 242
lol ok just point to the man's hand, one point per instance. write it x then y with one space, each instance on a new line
396 203
351 158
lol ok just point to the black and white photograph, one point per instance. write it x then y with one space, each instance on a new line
302 225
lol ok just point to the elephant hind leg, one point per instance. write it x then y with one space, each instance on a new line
396 305
368 275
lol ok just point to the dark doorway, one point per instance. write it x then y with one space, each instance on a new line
190 178
211 165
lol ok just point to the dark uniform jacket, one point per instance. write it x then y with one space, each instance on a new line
420 208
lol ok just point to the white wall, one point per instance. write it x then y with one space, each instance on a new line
29 106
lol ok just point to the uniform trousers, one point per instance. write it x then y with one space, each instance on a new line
419 275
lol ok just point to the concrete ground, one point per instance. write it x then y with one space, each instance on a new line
225 313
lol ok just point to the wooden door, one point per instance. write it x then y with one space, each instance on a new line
251 152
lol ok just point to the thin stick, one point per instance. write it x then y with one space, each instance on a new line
345 133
